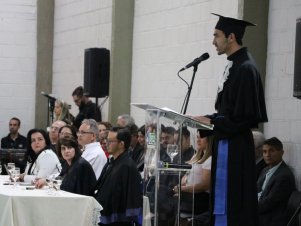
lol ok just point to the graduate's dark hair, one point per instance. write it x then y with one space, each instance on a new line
68 142
123 134
274 142
238 40
168 130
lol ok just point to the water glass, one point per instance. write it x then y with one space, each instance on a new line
10 167
15 174
172 151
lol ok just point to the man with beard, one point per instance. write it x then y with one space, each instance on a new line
87 109
240 106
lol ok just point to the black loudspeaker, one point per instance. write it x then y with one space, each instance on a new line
97 72
297 77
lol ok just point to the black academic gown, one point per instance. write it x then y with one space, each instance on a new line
119 191
240 106
137 154
79 178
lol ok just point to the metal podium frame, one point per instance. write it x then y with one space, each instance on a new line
159 175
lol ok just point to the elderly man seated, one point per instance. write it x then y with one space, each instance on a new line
275 185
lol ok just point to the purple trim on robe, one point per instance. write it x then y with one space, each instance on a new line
221 183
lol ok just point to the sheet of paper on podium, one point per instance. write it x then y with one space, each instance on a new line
177 117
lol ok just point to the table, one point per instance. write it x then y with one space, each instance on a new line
42 207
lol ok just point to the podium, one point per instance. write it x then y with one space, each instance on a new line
168 135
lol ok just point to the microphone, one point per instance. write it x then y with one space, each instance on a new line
173 165
196 61
48 96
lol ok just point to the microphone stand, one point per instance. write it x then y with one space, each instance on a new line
50 115
186 100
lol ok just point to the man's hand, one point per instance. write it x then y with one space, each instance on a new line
201 119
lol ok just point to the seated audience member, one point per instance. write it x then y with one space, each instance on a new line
125 120
42 161
258 138
167 137
118 189
68 131
88 138
198 180
141 140
136 151
61 112
275 185
54 133
187 150
104 128
14 139
78 175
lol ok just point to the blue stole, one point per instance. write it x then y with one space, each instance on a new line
221 184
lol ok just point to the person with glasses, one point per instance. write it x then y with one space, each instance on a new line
68 131
88 138
118 189
54 133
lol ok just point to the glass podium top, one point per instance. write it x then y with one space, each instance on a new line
175 116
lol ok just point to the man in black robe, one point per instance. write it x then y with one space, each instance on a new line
240 106
119 187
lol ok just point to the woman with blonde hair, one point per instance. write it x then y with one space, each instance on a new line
198 180
61 112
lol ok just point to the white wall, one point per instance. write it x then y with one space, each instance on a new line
17 63
167 36
284 110
78 25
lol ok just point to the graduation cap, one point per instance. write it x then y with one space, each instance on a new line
231 25
205 132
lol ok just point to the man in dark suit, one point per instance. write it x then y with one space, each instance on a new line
275 185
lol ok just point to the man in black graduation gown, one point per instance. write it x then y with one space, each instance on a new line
119 187
240 106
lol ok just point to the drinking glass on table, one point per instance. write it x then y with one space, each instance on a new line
15 174
10 167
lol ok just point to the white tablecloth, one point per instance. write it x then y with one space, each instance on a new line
21 207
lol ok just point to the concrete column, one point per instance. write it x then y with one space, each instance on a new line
121 58
45 22
257 11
